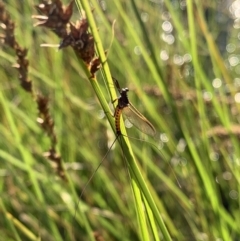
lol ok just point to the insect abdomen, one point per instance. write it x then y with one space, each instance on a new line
118 113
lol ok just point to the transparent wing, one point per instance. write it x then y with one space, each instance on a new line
138 120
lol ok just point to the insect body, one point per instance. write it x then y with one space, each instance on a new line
133 115
123 102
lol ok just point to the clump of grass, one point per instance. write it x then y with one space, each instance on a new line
44 117
168 56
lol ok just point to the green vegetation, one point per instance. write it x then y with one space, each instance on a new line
180 62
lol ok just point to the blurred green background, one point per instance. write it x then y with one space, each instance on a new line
180 60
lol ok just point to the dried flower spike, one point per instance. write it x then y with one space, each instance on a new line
81 40
55 16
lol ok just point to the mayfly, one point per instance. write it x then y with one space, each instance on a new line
132 114
124 107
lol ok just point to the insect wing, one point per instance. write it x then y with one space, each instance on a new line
138 120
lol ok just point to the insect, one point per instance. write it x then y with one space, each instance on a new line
124 107
132 114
